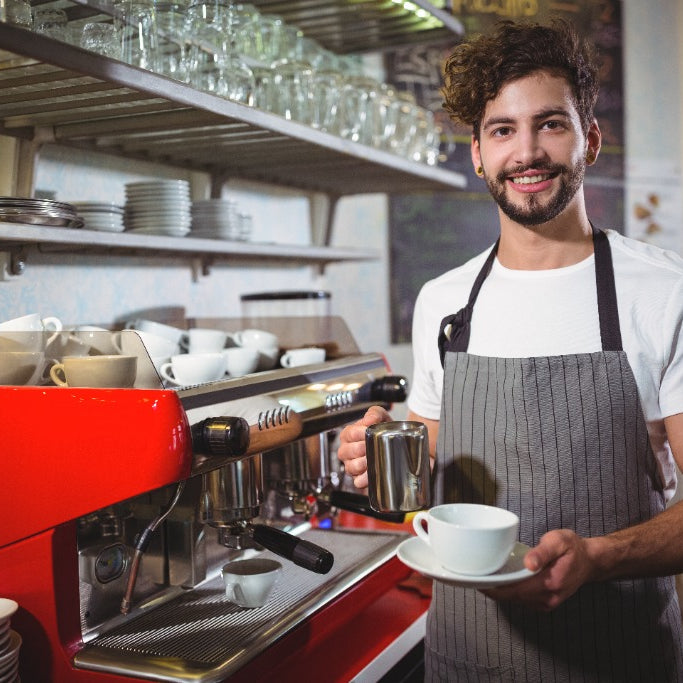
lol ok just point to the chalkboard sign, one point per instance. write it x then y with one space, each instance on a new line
431 233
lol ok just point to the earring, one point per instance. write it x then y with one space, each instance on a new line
479 171
590 158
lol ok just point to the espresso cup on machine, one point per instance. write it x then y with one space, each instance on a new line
398 466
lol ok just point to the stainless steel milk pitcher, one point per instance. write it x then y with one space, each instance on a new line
398 466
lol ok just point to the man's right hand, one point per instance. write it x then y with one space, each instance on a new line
352 445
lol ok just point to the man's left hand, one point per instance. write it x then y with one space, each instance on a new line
564 564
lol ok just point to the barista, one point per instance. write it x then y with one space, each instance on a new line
560 396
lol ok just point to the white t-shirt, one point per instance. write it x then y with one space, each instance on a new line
521 314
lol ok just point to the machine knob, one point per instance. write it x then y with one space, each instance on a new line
221 436
387 389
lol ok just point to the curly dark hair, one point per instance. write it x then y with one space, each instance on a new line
477 69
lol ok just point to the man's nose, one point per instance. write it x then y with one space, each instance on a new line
528 148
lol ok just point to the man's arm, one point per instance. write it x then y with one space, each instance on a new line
432 430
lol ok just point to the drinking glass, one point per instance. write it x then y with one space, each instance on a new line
18 12
102 38
136 22
405 123
170 20
50 22
293 79
327 83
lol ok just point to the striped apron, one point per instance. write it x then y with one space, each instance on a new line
562 442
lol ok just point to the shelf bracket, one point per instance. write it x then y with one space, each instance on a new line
201 267
322 208
12 264
27 160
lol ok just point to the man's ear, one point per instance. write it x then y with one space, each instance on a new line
593 142
475 153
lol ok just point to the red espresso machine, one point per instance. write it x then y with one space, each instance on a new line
120 506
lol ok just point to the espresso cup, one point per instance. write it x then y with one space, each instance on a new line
18 368
99 339
126 342
95 371
397 455
240 361
248 583
303 356
27 333
466 538
203 340
186 369
169 331
259 339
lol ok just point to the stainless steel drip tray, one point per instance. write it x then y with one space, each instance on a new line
201 636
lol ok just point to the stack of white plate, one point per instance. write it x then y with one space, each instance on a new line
215 219
107 217
160 207
10 642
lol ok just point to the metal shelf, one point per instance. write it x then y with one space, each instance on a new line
55 92
15 237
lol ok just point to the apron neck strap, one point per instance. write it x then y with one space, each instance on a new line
454 333
610 332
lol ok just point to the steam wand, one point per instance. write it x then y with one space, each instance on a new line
141 546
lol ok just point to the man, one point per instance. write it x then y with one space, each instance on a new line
561 392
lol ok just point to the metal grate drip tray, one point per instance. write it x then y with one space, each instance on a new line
200 636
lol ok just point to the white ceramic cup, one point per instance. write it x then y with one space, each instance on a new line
169 331
18 368
95 371
186 369
259 339
203 340
154 344
240 361
303 356
26 333
248 583
467 538
98 338
268 356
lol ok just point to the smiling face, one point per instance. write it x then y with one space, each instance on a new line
533 150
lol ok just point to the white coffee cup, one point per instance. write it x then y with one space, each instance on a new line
259 339
186 369
98 338
248 583
95 371
203 340
18 368
126 342
240 361
169 331
27 333
268 356
467 538
303 356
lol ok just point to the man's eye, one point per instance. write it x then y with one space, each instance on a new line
502 131
552 125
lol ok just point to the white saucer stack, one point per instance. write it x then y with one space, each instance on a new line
100 216
159 207
215 219
10 642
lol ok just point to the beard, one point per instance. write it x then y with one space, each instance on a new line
533 210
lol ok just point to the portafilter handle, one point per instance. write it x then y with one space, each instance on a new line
303 553
360 504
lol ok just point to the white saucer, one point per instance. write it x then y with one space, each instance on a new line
415 553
